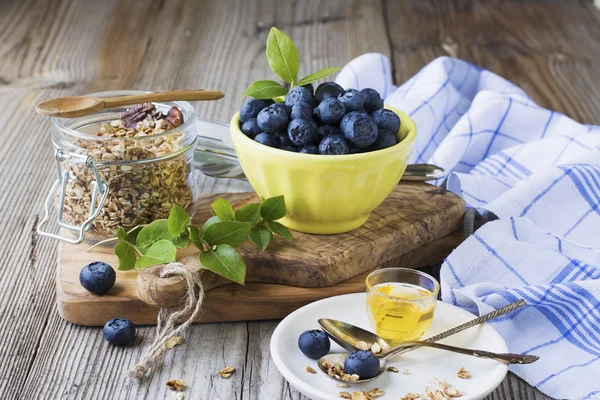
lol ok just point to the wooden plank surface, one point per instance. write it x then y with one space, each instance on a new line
57 48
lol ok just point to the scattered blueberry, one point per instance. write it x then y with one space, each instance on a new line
325 130
386 120
298 94
328 89
302 131
251 128
289 148
119 331
302 110
314 343
360 130
97 277
373 100
266 139
384 140
272 119
284 107
330 111
362 363
352 99
309 149
251 108
334 145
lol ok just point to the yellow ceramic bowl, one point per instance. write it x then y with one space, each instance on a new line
325 194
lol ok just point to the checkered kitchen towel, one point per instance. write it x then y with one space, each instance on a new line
539 171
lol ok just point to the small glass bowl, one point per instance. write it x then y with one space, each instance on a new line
401 303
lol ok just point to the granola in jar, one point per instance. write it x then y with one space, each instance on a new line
145 156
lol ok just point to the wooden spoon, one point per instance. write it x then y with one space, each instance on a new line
77 106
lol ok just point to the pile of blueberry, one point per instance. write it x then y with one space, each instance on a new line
315 344
332 121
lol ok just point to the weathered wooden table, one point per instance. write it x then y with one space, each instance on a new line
57 48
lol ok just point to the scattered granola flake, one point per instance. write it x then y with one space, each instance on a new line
360 396
447 390
413 396
452 392
375 393
226 372
406 372
342 385
178 396
175 384
463 373
362 345
436 394
312 371
345 395
336 370
376 348
392 369
174 341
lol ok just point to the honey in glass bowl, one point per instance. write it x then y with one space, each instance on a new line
401 303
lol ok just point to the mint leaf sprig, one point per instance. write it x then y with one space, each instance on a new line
217 239
284 61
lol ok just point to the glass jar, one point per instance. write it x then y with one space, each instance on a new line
110 177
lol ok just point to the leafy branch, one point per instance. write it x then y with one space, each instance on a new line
217 239
283 59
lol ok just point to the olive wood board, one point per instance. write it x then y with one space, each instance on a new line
414 227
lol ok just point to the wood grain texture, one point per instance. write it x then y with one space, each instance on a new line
61 48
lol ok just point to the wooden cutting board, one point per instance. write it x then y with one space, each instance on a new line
412 228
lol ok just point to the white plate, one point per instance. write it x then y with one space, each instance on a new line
423 364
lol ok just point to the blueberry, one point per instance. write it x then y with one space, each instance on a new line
314 344
267 139
334 145
352 99
284 107
97 277
119 331
302 110
325 130
354 150
328 89
309 149
251 128
282 139
302 131
373 100
251 108
359 129
330 111
362 111
289 148
272 119
310 87
362 363
384 140
297 95
386 120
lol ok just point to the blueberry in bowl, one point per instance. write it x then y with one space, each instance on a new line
330 111
267 139
97 277
309 149
352 99
373 100
362 363
272 119
302 110
359 129
335 145
327 89
298 94
251 128
302 131
314 343
251 108
386 120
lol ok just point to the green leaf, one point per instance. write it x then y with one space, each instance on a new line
265 90
225 261
133 234
126 253
178 220
122 234
152 233
316 76
280 230
273 208
182 241
195 236
209 222
282 55
261 236
248 213
161 252
222 209
232 233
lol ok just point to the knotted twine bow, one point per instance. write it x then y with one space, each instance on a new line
167 319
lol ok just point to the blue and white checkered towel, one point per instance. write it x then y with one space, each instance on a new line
539 171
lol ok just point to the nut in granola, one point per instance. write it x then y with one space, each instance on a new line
362 345
311 370
345 395
463 373
375 348
226 372
373 393
360 396
175 384
392 369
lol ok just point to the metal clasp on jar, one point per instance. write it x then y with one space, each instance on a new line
99 192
